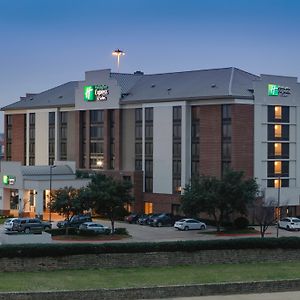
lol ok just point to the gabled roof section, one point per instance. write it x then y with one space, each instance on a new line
62 95
212 83
126 81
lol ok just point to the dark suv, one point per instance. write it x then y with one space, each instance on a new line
75 221
29 225
163 219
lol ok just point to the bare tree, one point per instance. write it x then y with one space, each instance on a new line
264 214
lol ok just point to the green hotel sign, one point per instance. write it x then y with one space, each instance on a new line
95 92
6 179
276 90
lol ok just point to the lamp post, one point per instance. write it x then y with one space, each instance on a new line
278 206
118 53
50 187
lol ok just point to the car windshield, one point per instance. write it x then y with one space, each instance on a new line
296 220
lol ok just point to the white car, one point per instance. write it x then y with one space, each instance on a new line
188 224
290 223
8 224
95 227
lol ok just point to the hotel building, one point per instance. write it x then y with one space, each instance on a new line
157 131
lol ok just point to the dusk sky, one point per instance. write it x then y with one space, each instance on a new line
45 43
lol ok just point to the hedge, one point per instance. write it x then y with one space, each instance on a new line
56 250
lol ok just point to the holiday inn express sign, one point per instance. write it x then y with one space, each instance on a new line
276 90
95 92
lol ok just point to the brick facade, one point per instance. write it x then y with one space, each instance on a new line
210 140
18 138
243 138
162 202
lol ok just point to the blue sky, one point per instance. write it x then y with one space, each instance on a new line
44 43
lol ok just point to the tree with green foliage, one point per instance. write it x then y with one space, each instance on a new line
219 198
110 196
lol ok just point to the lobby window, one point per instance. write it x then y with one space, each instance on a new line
148 207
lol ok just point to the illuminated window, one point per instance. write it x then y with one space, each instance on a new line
277 167
278 149
148 208
278 112
277 183
278 131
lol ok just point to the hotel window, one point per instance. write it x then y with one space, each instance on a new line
8 137
226 137
149 155
96 139
278 150
277 113
195 140
278 168
63 130
176 172
138 138
278 132
51 140
31 139
275 183
148 207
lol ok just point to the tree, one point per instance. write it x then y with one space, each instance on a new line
219 198
110 196
68 202
264 215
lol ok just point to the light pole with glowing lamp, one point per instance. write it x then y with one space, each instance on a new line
50 187
118 53
278 205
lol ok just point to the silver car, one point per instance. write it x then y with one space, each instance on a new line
94 227
188 224
290 223
8 224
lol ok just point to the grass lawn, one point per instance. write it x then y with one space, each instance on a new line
142 277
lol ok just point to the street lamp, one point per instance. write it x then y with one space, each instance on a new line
50 186
278 205
118 53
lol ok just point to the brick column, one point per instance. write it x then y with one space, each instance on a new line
78 139
210 140
88 140
18 138
242 139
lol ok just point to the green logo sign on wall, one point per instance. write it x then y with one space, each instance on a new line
8 179
95 92
276 90
272 90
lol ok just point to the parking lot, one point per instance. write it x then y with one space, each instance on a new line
143 233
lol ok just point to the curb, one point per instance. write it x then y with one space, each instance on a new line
162 291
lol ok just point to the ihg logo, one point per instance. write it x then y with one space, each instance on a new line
276 90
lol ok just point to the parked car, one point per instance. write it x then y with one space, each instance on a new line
75 221
151 217
132 218
8 224
28 225
94 227
290 223
188 224
142 220
163 219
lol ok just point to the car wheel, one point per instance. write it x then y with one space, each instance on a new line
159 224
27 230
287 227
186 228
202 227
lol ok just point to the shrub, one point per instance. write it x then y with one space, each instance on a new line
241 223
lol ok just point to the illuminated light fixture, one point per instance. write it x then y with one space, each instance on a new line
118 53
100 163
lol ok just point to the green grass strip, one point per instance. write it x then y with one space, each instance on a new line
146 276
